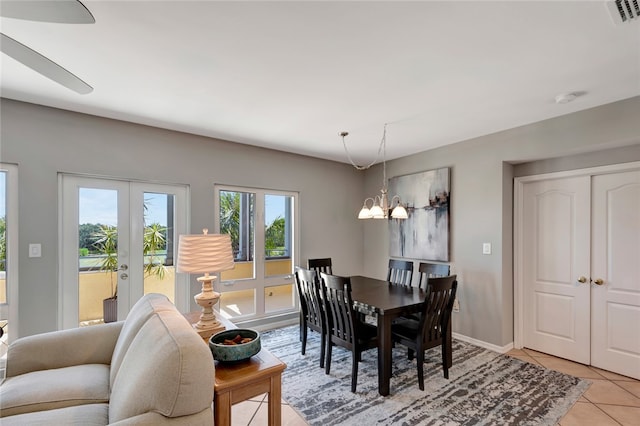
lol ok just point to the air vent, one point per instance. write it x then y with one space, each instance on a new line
624 11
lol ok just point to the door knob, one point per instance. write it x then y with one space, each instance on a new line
124 267
598 281
582 280
124 276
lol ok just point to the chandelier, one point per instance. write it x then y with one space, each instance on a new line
378 207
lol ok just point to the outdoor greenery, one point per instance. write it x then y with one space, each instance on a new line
274 237
230 224
230 217
104 242
154 241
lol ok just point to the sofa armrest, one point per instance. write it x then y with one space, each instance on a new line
65 348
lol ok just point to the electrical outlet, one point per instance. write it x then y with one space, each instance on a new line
456 305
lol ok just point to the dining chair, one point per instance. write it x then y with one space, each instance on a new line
344 327
320 265
431 330
311 309
400 272
431 270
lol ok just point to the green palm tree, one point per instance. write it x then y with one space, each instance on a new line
154 240
107 244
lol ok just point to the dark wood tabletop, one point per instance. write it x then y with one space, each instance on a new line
385 298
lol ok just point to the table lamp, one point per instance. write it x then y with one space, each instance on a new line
203 254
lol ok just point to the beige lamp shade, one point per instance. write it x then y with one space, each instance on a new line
204 252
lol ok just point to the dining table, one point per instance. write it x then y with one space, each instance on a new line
386 302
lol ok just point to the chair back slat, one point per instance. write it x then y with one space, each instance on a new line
400 272
437 307
320 265
309 293
339 308
431 270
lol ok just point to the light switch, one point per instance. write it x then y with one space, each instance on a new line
35 250
486 248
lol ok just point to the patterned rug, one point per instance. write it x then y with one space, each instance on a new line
484 387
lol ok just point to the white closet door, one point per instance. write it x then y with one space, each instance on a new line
615 292
556 226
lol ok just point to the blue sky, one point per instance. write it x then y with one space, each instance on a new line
273 207
100 206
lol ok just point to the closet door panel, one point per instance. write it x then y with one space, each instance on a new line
556 271
615 288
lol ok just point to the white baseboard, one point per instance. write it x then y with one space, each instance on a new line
286 320
500 349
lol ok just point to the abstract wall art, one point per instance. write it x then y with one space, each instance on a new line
425 234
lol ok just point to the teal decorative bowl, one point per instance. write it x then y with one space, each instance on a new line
237 352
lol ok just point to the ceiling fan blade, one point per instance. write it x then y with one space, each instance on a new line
43 65
58 11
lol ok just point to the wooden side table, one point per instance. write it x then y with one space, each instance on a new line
236 382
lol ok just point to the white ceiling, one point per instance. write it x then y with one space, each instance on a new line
292 75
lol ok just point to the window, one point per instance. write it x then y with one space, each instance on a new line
263 232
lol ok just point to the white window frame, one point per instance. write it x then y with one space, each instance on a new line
261 283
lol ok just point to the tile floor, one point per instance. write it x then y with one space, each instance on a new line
612 400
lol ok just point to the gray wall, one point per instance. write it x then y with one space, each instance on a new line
482 174
45 141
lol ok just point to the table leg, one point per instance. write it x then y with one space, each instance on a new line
384 354
275 401
222 409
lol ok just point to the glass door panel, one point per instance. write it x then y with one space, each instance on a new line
240 303
97 255
158 242
237 218
278 266
277 235
279 298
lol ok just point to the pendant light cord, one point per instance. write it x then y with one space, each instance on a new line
381 149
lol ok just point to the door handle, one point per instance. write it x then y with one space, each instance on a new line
124 267
598 281
582 279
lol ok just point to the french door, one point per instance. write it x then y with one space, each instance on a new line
263 228
118 240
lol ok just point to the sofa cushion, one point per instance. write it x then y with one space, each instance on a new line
143 309
55 388
167 369
81 415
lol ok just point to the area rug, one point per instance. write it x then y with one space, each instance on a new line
484 387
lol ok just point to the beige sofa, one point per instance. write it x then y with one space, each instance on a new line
152 368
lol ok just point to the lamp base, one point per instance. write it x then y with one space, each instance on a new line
208 332
208 324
